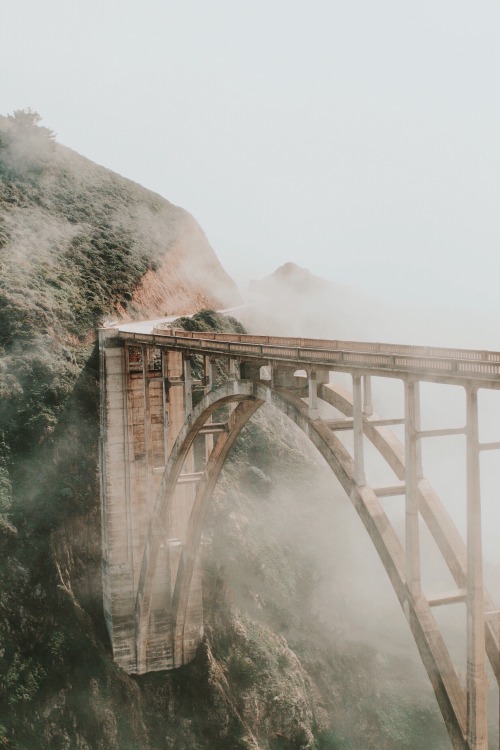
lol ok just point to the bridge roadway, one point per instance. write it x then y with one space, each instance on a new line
155 495
436 364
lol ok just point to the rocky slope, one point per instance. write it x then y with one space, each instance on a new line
79 243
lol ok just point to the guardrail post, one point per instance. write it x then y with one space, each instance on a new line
476 667
413 473
357 413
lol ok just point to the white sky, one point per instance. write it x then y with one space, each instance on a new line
360 139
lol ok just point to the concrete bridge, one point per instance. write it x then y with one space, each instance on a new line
172 405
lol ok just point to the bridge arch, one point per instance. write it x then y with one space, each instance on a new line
248 396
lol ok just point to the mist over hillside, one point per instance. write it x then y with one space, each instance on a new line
78 235
290 660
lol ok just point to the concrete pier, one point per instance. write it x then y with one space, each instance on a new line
144 405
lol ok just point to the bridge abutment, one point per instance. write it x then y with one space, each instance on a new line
145 393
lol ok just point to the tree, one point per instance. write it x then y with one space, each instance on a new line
28 118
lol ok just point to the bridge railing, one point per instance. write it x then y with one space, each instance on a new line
338 344
458 364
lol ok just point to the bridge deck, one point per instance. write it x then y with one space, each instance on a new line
437 364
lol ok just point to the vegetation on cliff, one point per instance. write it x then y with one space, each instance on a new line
76 242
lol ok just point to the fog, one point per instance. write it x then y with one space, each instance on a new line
359 136
293 301
354 594
357 139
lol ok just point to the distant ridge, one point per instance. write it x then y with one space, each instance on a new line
290 276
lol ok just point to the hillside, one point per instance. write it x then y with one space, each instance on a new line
97 236
77 243
277 669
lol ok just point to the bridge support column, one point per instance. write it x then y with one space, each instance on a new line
145 395
357 413
235 367
116 505
312 384
211 371
476 666
147 425
367 396
188 386
413 473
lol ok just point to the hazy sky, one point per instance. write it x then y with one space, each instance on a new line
358 138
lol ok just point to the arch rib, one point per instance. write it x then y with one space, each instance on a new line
234 391
237 420
450 695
